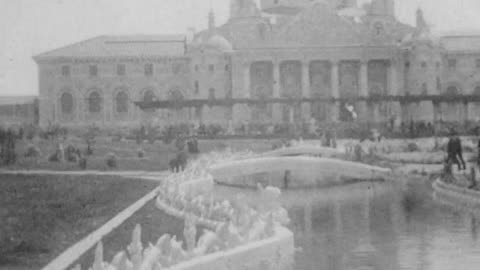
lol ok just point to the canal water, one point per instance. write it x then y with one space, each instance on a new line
381 226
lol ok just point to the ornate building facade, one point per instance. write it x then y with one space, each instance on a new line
299 50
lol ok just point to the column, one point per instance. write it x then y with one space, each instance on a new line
363 105
246 80
199 113
277 108
465 115
306 92
436 112
394 88
334 110
104 107
363 78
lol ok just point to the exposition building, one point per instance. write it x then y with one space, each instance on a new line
286 61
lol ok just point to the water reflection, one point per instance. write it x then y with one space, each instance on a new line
381 226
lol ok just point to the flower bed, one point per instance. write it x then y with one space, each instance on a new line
234 230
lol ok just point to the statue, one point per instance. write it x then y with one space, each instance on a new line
207 243
190 232
420 20
151 256
121 261
228 235
177 253
135 248
98 263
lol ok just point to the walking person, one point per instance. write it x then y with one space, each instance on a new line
478 151
454 150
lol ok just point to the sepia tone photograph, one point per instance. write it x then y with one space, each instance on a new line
239 134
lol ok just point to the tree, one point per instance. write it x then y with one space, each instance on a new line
89 137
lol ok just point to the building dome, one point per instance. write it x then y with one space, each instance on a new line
220 43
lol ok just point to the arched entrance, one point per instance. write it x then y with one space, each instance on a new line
67 106
452 110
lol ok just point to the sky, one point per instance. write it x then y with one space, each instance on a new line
29 27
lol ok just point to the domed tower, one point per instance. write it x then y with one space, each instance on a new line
283 7
423 62
243 9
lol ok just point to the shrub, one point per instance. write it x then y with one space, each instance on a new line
71 153
413 147
53 158
89 138
33 152
111 161
83 163
140 153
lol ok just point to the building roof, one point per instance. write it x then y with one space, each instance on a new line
320 25
121 46
461 43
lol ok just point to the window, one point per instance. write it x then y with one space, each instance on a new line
452 63
176 68
477 91
67 103
424 64
149 96
94 103
211 93
227 67
407 64
66 71
477 63
452 91
196 88
211 68
424 89
197 68
175 94
148 69
379 28
121 101
121 70
93 70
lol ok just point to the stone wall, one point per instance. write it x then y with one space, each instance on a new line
274 253
168 75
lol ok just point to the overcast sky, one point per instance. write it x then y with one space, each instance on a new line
29 27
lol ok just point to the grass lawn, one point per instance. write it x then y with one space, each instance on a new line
154 222
42 216
157 155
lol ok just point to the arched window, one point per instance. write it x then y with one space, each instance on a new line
197 87
424 89
379 28
121 101
477 91
211 93
175 94
94 102
452 91
66 101
149 96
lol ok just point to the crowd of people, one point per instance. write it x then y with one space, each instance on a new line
8 137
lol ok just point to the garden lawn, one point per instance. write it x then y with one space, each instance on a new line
41 216
154 224
157 155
